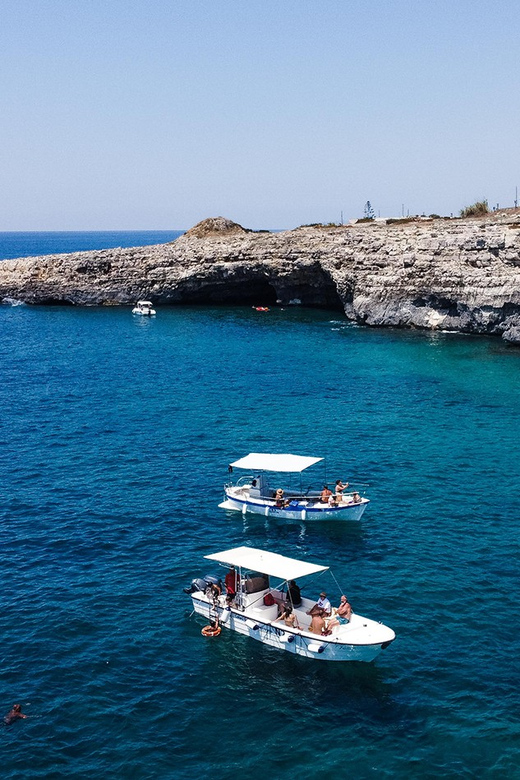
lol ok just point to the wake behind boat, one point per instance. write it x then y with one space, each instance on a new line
259 493
252 605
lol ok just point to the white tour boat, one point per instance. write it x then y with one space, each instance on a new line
254 609
145 308
257 492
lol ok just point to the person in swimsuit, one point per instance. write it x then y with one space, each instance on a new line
288 617
14 714
317 625
325 494
339 488
343 614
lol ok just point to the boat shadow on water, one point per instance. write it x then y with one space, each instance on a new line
338 533
235 662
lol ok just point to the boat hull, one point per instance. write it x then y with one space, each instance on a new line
303 511
300 643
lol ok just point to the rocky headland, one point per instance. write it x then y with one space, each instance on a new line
454 274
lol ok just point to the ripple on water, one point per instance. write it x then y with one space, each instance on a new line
117 449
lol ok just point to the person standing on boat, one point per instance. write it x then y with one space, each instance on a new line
294 596
340 487
231 582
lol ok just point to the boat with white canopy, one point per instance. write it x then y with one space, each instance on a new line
260 491
254 608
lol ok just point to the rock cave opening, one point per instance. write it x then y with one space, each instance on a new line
315 291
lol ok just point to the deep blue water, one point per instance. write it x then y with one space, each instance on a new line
23 244
117 432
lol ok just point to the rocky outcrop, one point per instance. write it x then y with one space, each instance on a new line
452 274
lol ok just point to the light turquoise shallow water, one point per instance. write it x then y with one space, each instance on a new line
117 432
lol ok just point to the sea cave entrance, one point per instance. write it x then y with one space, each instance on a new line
315 290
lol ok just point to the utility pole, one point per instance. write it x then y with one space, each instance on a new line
516 197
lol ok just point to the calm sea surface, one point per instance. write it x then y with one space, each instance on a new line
17 244
116 435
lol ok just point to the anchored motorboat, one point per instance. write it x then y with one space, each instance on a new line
145 308
254 603
259 491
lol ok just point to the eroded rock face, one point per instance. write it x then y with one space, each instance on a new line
459 274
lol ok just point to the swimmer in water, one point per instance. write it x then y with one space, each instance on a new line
14 714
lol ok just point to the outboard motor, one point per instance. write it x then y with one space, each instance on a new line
201 584
210 580
196 584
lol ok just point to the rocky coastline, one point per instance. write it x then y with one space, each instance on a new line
450 274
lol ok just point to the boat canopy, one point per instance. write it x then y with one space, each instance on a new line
265 461
264 562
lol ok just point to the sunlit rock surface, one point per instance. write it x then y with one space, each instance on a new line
439 274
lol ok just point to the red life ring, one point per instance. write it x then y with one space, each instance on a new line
211 631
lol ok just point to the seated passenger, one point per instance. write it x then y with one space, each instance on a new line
278 497
333 501
294 597
325 493
356 498
317 625
343 614
288 617
322 606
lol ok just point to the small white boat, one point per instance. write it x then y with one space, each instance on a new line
254 609
257 492
145 308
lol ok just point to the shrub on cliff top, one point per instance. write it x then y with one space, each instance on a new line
478 209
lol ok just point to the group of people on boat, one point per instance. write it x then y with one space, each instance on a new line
335 498
326 496
323 616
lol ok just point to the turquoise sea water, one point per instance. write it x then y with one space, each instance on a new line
117 432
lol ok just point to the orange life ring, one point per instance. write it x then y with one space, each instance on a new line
211 631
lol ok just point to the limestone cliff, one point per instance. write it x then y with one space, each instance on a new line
452 274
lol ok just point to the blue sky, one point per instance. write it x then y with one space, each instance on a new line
154 114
